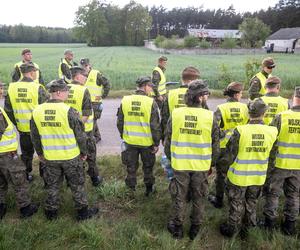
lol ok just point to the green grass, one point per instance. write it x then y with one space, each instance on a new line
123 223
122 65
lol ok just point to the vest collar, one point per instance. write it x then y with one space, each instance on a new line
272 94
26 79
256 122
265 73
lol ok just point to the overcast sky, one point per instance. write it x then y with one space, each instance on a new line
61 13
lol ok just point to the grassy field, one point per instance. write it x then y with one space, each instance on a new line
123 223
122 65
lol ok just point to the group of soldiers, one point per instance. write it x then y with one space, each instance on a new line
254 146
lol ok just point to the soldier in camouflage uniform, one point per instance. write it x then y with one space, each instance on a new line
285 173
192 145
60 142
139 125
247 154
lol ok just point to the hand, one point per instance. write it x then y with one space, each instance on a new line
209 172
83 157
42 159
160 98
155 149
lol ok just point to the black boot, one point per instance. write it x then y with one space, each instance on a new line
227 230
86 213
216 201
51 214
97 180
175 230
269 224
149 190
2 210
29 177
29 210
194 230
288 227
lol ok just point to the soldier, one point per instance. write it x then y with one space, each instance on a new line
139 126
65 65
257 82
192 145
285 173
247 154
228 115
22 97
26 58
159 81
60 142
80 99
98 86
272 98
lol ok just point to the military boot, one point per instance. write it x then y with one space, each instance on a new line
97 180
288 227
51 214
216 201
227 230
194 230
269 224
175 230
149 190
2 210
29 210
86 213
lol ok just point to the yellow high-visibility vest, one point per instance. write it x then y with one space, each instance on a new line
75 98
137 114
251 164
24 98
262 80
8 142
288 143
60 73
94 89
191 141
162 89
233 114
57 138
37 72
176 98
277 104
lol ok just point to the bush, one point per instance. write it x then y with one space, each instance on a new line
191 41
204 44
228 43
224 76
251 68
158 40
169 44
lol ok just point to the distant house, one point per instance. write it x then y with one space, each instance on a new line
284 40
212 34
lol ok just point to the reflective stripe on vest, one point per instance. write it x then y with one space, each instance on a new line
233 114
8 141
176 98
57 138
94 89
37 72
162 84
191 139
75 99
251 164
277 104
262 80
60 73
24 98
289 141
137 114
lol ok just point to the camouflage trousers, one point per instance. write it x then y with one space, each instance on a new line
27 150
54 176
12 171
130 158
92 155
183 182
289 182
97 116
242 204
221 173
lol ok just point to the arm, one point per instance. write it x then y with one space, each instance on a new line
36 138
66 71
16 74
102 80
168 136
43 96
276 123
215 142
155 124
87 108
165 114
41 79
155 80
255 86
9 110
3 124
120 121
219 119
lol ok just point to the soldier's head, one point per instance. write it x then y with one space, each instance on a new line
273 84
197 93
144 83
26 55
268 65
257 108
189 74
58 89
234 90
78 74
296 97
162 61
68 55
85 63
28 70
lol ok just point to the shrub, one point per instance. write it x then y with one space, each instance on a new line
228 43
204 44
158 40
169 44
251 68
224 76
191 41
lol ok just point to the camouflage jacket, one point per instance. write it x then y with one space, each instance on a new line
156 79
255 86
16 74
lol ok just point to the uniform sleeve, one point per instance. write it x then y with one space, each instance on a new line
165 114
276 122
155 80
167 139
65 70
78 128
87 108
219 119
43 96
155 124
255 86
3 124
16 74
215 142
41 79
120 120
102 80
36 138
9 110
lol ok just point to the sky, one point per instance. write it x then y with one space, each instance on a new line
61 13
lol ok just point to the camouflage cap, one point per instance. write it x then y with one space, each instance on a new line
143 79
68 51
84 61
190 73
198 87
235 86
297 92
162 58
57 85
25 51
77 70
268 62
272 81
257 107
27 67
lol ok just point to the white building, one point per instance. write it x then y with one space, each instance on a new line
214 33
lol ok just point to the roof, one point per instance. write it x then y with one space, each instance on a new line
217 33
285 33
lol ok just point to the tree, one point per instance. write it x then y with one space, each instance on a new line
254 31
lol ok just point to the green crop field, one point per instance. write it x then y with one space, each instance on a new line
122 65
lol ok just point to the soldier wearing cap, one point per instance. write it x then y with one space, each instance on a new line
257 82
159 81
228 115
139 125
60 142
80 99
22 97
17 74
247 154
98 86
285 173
65 65
272 98
192 145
